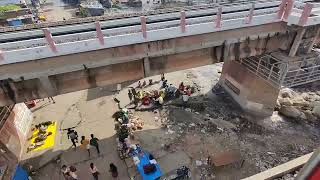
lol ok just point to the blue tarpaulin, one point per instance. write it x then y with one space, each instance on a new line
14 22
144 160
20 174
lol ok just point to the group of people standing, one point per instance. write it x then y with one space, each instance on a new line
70 172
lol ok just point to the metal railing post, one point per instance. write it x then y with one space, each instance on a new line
281 10
183 21
258 65
288 9
283 75
49 39
305 14
270 71
310 73
219 16
99 32
143 26
249 19
295 77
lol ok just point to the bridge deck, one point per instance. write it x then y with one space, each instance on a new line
143 29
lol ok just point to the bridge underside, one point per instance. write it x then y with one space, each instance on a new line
53 76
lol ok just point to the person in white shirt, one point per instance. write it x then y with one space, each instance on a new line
94 171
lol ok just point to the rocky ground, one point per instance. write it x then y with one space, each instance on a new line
209 125
301 104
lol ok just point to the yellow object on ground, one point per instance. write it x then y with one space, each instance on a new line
42 18
49 141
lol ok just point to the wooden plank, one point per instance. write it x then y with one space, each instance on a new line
282 169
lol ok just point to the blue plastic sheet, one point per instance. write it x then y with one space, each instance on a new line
144 160
20 174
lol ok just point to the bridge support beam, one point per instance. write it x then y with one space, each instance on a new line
226 49
48 86
146 65
296 42
254 94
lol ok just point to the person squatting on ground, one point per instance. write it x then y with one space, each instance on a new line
114 170
94 143
69 173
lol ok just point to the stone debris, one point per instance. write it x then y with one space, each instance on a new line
198 163
299 105
187 109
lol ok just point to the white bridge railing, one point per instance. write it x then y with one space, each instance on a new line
281 73
301 14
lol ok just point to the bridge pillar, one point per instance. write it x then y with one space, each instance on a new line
226 49
48 86
146 65
296 42
254 94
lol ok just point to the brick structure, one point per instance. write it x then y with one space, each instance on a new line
14 126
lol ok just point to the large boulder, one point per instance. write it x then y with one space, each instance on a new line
316 111
287 93
314 97
299 101
305 96
290 111
314 104
310 117
285 101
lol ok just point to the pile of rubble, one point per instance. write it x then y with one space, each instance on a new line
299 105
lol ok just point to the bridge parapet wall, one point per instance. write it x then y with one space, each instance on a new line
51 46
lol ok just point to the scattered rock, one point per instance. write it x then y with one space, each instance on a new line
316 111
223 124
309 115
305 96
299 101
198 163
303 116
287 93
314 104
285 101
192 124
277 107
187 109
271 153
290 111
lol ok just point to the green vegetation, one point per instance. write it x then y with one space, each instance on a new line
8 7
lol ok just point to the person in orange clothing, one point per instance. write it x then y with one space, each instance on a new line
85 144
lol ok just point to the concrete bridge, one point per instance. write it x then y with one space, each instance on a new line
263 46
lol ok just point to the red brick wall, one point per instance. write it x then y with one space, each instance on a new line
13 134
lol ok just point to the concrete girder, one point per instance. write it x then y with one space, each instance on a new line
64 74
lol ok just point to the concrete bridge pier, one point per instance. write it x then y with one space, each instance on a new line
254 82
254 94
